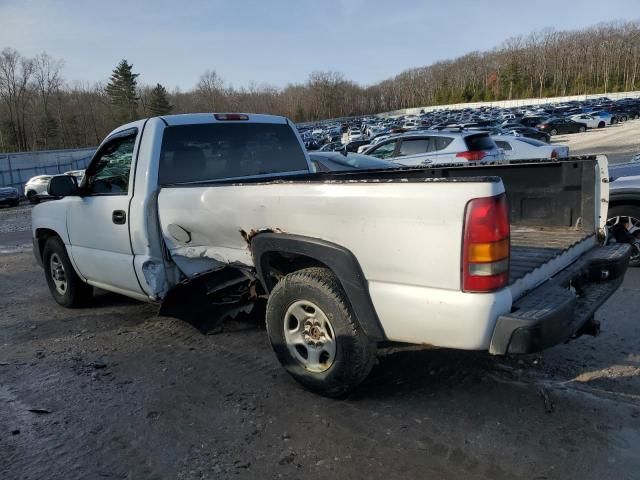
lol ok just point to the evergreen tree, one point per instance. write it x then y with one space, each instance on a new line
159 101
122 91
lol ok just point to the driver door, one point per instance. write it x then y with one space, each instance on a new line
98 222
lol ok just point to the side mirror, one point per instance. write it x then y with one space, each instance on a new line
63 186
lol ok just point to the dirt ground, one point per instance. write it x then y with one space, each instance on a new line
114 391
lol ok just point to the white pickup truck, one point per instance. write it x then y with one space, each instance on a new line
221 209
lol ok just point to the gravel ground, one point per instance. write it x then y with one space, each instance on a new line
114 391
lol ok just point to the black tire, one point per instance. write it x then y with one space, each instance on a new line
553 132
33 197
626 211
582 129
601 124
76 293
354 352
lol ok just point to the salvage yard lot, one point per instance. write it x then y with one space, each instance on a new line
114 391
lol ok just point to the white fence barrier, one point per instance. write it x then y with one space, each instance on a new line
511 103
17 168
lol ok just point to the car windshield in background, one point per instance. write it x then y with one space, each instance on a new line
217 151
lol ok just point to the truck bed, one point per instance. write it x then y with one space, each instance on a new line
532 247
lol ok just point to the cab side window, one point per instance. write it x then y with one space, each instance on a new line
110 172
414 146
385 150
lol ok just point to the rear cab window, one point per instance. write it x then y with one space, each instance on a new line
218 151
480 141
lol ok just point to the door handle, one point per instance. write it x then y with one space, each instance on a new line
119 217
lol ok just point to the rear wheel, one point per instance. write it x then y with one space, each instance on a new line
64 284
630 213
315 334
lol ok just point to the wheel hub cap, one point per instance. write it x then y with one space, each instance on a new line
58 274
309 336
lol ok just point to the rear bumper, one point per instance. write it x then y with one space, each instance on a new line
557 309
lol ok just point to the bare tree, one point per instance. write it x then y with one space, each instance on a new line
15 74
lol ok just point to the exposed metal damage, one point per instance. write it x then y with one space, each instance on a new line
208 299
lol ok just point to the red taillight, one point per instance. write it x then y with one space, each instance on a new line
231 116
486 245
472 156
554 154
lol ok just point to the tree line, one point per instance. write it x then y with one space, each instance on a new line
39 109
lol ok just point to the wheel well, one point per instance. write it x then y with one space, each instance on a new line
42 235
278 254
278 264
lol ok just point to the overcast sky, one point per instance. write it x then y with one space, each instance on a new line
276 41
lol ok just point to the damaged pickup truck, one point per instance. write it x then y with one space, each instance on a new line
223 208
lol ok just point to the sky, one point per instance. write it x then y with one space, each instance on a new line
277 42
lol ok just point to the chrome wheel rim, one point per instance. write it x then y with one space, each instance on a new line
58 275
309 336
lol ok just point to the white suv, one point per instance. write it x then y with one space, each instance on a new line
437 147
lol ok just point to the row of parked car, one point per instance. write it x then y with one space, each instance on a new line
34 190
518 133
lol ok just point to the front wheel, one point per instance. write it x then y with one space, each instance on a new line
582 129
65 286
553 132
315 335
601 125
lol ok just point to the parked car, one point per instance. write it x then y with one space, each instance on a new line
335 162
346 262
624 198
352 147
589 120
607 117
534 120
523 131
559 125
331 147
522 148
79 174
36 188
437 147
9 196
